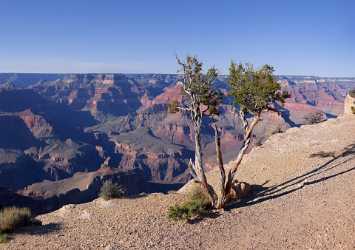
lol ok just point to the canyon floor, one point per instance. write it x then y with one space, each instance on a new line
304 198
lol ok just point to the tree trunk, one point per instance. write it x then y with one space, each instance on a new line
222 195
246 143
198 165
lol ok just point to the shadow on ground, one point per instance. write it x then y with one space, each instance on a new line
260 193
41 229
210 214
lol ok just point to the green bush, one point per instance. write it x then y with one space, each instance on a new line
197 205
111 190
3 238
13 217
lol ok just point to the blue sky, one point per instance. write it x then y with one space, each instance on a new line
308 37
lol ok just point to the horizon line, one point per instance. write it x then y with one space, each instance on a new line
150 73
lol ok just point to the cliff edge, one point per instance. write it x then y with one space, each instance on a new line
303 199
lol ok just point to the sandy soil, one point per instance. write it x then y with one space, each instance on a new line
305 199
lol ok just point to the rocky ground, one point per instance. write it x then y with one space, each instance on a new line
305 200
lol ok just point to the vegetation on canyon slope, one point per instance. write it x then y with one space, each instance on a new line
110 190
12 218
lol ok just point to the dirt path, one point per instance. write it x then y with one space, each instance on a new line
310 204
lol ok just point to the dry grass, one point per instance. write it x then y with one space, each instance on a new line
3 238
198 193
196 205
111 190
13 217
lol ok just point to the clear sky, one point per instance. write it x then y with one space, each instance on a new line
308 37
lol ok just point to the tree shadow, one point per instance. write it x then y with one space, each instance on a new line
210 214
260 193
41 229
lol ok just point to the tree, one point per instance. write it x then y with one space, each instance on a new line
201 99
253 91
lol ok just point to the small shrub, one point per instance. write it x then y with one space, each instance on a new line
197 205
13 217
352 93
3 238
173 106
314 118
111 190
353 110
197 193
187 210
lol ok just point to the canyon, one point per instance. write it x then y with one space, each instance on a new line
63 135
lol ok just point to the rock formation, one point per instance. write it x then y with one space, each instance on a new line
349 103
53 126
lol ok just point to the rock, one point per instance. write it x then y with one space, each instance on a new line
65 210
349 103
85 215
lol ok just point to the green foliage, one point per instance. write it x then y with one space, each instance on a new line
187 210
254 90
197 205
198 86
13 217
110 191
3 238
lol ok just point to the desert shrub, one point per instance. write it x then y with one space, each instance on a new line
187 210
13 217
111 190
353 110
197 205
352 93
314 118
173 107
3 238
198 193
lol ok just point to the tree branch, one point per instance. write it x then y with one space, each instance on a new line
247 139
273 110
192 171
